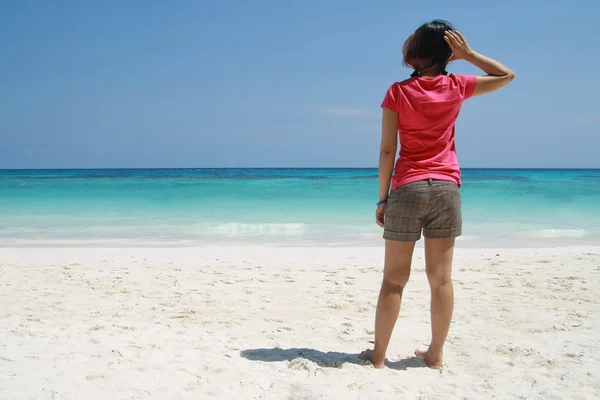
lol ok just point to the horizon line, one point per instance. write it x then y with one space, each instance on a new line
277 168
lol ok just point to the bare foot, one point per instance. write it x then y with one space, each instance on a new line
368 355
432 362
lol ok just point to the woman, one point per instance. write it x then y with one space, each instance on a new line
424 196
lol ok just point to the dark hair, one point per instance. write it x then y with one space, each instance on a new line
427 47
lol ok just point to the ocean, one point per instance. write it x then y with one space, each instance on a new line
281 206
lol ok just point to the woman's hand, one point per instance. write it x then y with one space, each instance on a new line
379 213
459 46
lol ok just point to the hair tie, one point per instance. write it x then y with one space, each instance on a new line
417 72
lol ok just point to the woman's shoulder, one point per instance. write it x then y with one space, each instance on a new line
465 83
406 81
462 78
401 85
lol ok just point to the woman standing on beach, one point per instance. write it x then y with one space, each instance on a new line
425 181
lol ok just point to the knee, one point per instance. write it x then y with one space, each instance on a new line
437 277
396 279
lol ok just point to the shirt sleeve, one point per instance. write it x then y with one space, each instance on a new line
391 99
467 84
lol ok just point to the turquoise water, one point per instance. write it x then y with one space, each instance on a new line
282 205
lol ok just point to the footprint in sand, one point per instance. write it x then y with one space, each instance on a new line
94 377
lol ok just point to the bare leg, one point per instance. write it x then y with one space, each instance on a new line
396 271
438 264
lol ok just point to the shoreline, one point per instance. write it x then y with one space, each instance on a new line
461 243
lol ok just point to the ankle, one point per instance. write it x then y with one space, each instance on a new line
379 353
435 351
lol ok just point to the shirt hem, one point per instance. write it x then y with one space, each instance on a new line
421 177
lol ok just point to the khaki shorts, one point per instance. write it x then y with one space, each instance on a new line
433 206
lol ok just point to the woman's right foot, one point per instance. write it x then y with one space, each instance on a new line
433 362
369 355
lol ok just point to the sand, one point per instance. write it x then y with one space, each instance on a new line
288 323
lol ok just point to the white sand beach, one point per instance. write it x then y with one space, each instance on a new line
256 322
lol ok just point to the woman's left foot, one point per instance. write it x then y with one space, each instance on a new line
368 355
431 361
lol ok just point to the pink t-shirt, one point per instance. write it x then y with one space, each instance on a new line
427 110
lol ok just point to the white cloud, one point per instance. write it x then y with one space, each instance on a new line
366 128
346 112
590 120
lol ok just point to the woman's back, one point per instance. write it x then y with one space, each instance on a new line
427 109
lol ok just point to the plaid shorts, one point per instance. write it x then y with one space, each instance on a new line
433 206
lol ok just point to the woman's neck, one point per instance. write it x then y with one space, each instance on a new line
430 72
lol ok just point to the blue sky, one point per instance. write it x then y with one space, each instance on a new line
280 83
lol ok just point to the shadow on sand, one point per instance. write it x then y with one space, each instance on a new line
326 360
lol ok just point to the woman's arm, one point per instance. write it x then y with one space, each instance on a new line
387 152
498 75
